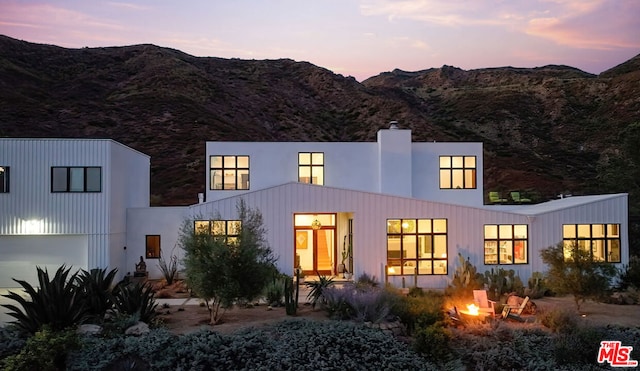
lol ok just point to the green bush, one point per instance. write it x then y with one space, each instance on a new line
433 342
420 311
56 303
274 291
45 350
630 274
135 299
559 320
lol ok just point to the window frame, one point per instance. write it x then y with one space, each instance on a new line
311 166
431 239
5 179
70 180
210 227
499 240
223 168
605 239
147 239
464 168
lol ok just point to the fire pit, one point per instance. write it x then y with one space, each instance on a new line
471 315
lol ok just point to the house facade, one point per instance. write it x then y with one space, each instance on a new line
65 201
395 209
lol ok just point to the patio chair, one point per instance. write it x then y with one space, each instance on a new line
494 198
514 312
484 304
517 198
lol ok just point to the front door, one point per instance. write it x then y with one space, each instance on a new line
315 243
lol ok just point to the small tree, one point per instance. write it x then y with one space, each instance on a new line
223 271
576 273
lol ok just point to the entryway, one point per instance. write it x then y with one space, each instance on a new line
315 241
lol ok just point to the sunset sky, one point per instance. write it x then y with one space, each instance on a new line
359 38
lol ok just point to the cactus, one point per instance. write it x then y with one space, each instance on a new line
291 301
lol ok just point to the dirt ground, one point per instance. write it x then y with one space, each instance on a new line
182 319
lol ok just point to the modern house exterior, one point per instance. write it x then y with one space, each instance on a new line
395 209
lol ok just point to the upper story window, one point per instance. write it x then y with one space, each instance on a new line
457 172
601 241
229 172
76 179
311 167
505 244
227 231
4 179
416 246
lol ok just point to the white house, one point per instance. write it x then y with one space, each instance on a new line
65 201
394 208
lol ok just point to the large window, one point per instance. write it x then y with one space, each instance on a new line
311 167
505 244
416 246
229 172
76 179
457 172
602 241
152 246
4 179
227 231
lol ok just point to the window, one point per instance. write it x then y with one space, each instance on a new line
601 241
505 244
152 246
227 231
229 172
76 179
457 172
311 167
416 246
4 179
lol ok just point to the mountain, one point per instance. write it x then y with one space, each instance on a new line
546 130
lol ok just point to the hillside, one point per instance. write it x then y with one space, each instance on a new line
545 129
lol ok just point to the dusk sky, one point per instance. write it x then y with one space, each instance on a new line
359 38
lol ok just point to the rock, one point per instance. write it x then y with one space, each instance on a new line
89 329
137 329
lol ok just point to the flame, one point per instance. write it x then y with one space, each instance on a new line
472 309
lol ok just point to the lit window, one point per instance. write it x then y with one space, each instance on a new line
416 246
311 167
457 172
505 244
4 179
229 172
152 246
76 179
600 241
227 231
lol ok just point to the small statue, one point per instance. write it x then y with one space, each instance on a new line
141 268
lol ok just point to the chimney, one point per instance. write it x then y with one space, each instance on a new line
393 125
200 198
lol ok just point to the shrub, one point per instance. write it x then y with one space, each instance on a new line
274 291
45 350
630 274
559 320
365 281
420 311
578 346
95 290
318 287
169 268
12 339
433 342
135 299
56 303
577 274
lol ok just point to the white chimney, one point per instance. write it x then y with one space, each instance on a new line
393 125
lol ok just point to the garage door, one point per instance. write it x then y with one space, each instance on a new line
19 256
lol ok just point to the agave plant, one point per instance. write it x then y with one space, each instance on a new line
315 295
135 299
95 289
57 303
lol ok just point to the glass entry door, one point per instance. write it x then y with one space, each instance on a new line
314 243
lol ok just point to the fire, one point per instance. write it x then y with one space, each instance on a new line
472 309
